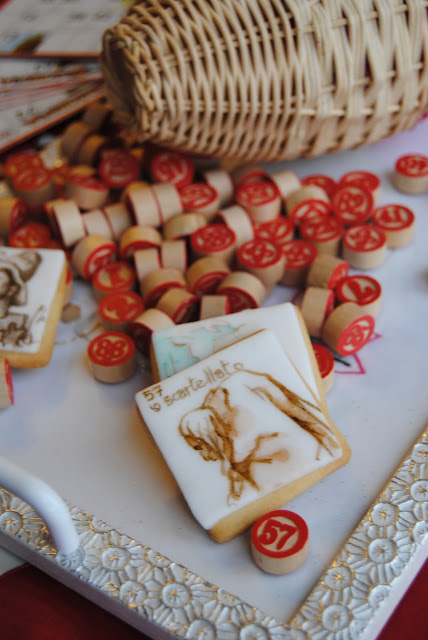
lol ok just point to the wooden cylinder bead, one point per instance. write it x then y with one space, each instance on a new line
326 272
316 305
364 246
397 222
364 290
138 237
117 310
181 305
363 179
310 210
112 357
352 204
286 182
154 284
279 542
146 261
279 230
112 278
31 235
97 115
247 173
237 219
308 192
69 286
34 186
13 213
411 173
325 362
183 225
6 384
68 222
118 168
205 274
260 199
144 206
200 197
91 149
298 255
213 306
168 199
118 218
95 222
263 259
222 183
89 192
73 138
80 170
91 253
172 166
216 240
133 186
142 328
326 183
244 290
324 233
347 329
173 253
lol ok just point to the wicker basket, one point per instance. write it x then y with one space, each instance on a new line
268 79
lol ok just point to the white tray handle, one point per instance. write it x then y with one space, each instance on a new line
45 501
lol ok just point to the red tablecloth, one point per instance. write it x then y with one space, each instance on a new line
35 607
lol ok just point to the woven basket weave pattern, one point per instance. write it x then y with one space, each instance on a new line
268 79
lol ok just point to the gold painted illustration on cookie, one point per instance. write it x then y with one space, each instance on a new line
231 426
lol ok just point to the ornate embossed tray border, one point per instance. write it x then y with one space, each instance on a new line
159 597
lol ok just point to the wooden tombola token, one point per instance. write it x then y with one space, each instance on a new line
68 221
142 328
308 192
113 277
244 290
173 253
31 235
89 192
213 306
326 183
95 222
352 204
200 197
310 210
183 225
97 115
222 183
365 180
325 362
364 290
168 200
172 166
216 240
117 310
237 219
279 542
397 222
327 272
364 246
247 173
260 199
118 168
279 230
138 237
411 173
316 305
324 233
347 329
286 182
263 259
154 284
118 218
34 185
299 255
205 274
181 305
20 161
146 261
73 138
13 214
6 384
91 253
91 149
112 357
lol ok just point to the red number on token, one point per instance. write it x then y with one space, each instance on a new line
239 299
212 238
324 359
118 168
121 306
412 165
279 230
364 237
299 254
114 276
271 531
352 204
310 210
16 162
361 289
363 179
32 235
266 534
393 217
197 195
88 182
259 253
256 193
111 348
9 381
356 335
322 229
31 178
320 180
174 167
18 215
98 258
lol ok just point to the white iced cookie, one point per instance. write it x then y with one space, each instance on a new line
241 433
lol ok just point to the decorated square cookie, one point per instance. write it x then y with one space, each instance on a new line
32 291
241 432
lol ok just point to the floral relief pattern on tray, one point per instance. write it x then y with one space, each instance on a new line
153 589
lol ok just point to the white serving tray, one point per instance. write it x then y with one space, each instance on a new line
85 439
